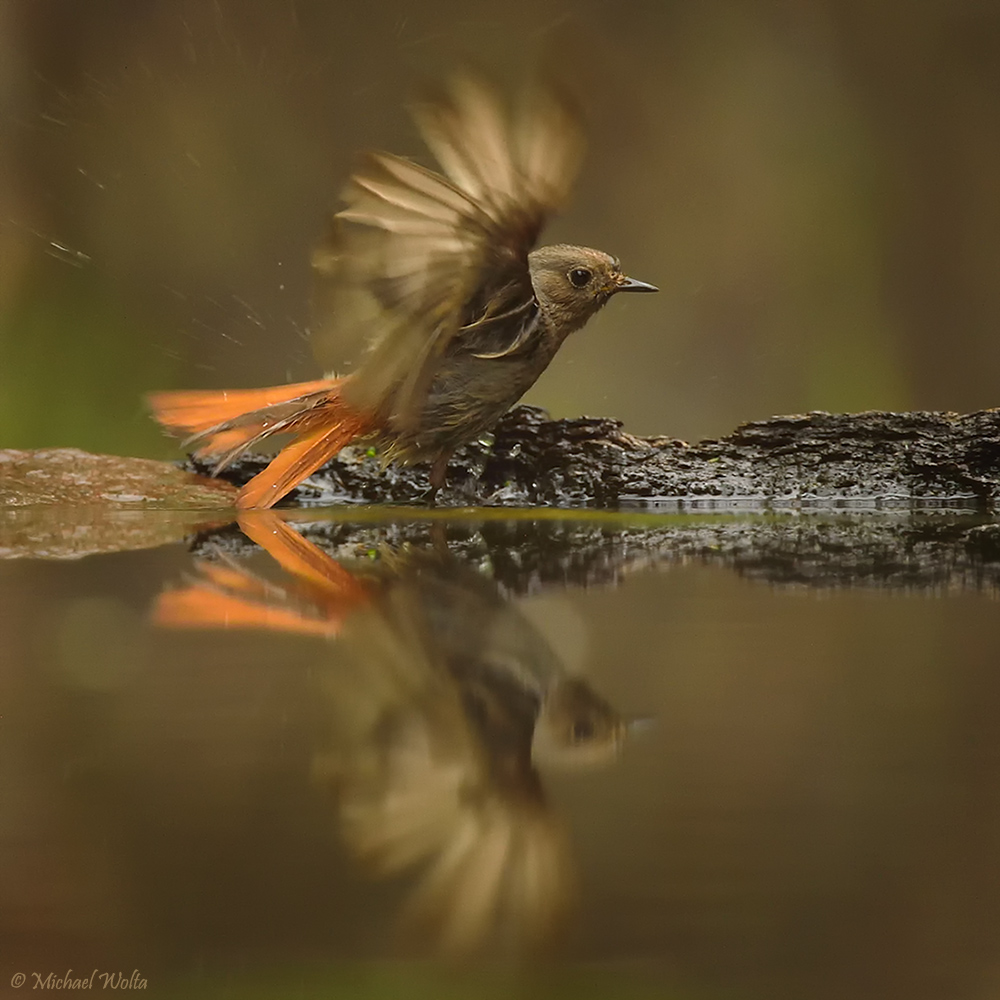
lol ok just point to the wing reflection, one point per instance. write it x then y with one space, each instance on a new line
442 701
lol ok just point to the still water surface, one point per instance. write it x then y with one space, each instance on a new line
486 757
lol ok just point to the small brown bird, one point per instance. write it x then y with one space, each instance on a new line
436 274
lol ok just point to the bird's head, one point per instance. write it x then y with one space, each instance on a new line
576 727
572 283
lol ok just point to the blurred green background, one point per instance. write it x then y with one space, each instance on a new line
814 185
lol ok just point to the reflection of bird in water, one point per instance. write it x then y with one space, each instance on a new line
443 701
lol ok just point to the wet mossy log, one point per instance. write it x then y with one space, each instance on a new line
813 459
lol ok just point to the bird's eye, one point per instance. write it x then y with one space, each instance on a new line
580 277
583 729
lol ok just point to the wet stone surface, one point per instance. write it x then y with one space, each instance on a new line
69 476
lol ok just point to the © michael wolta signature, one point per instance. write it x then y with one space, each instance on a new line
71 981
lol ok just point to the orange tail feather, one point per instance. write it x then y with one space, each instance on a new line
195 412
227 422
329 429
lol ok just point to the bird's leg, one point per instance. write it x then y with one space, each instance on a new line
439 539
439 471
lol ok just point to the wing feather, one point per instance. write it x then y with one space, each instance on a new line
419 264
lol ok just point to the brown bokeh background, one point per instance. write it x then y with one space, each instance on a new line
814 184
815 188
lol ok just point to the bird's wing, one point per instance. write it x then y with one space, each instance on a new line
420 264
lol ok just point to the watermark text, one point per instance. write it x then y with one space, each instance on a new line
70 980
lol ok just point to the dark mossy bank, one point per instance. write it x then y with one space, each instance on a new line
818 459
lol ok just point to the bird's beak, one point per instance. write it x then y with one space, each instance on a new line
643 724
632 285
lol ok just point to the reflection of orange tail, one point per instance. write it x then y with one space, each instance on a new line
298 556
201 606
228 596
229 422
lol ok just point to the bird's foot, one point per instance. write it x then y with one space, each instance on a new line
439 472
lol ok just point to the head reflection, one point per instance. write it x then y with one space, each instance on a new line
442 700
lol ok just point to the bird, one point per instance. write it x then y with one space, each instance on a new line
437 274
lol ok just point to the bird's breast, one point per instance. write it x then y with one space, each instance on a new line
467 396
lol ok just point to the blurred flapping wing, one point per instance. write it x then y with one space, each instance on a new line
419 264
